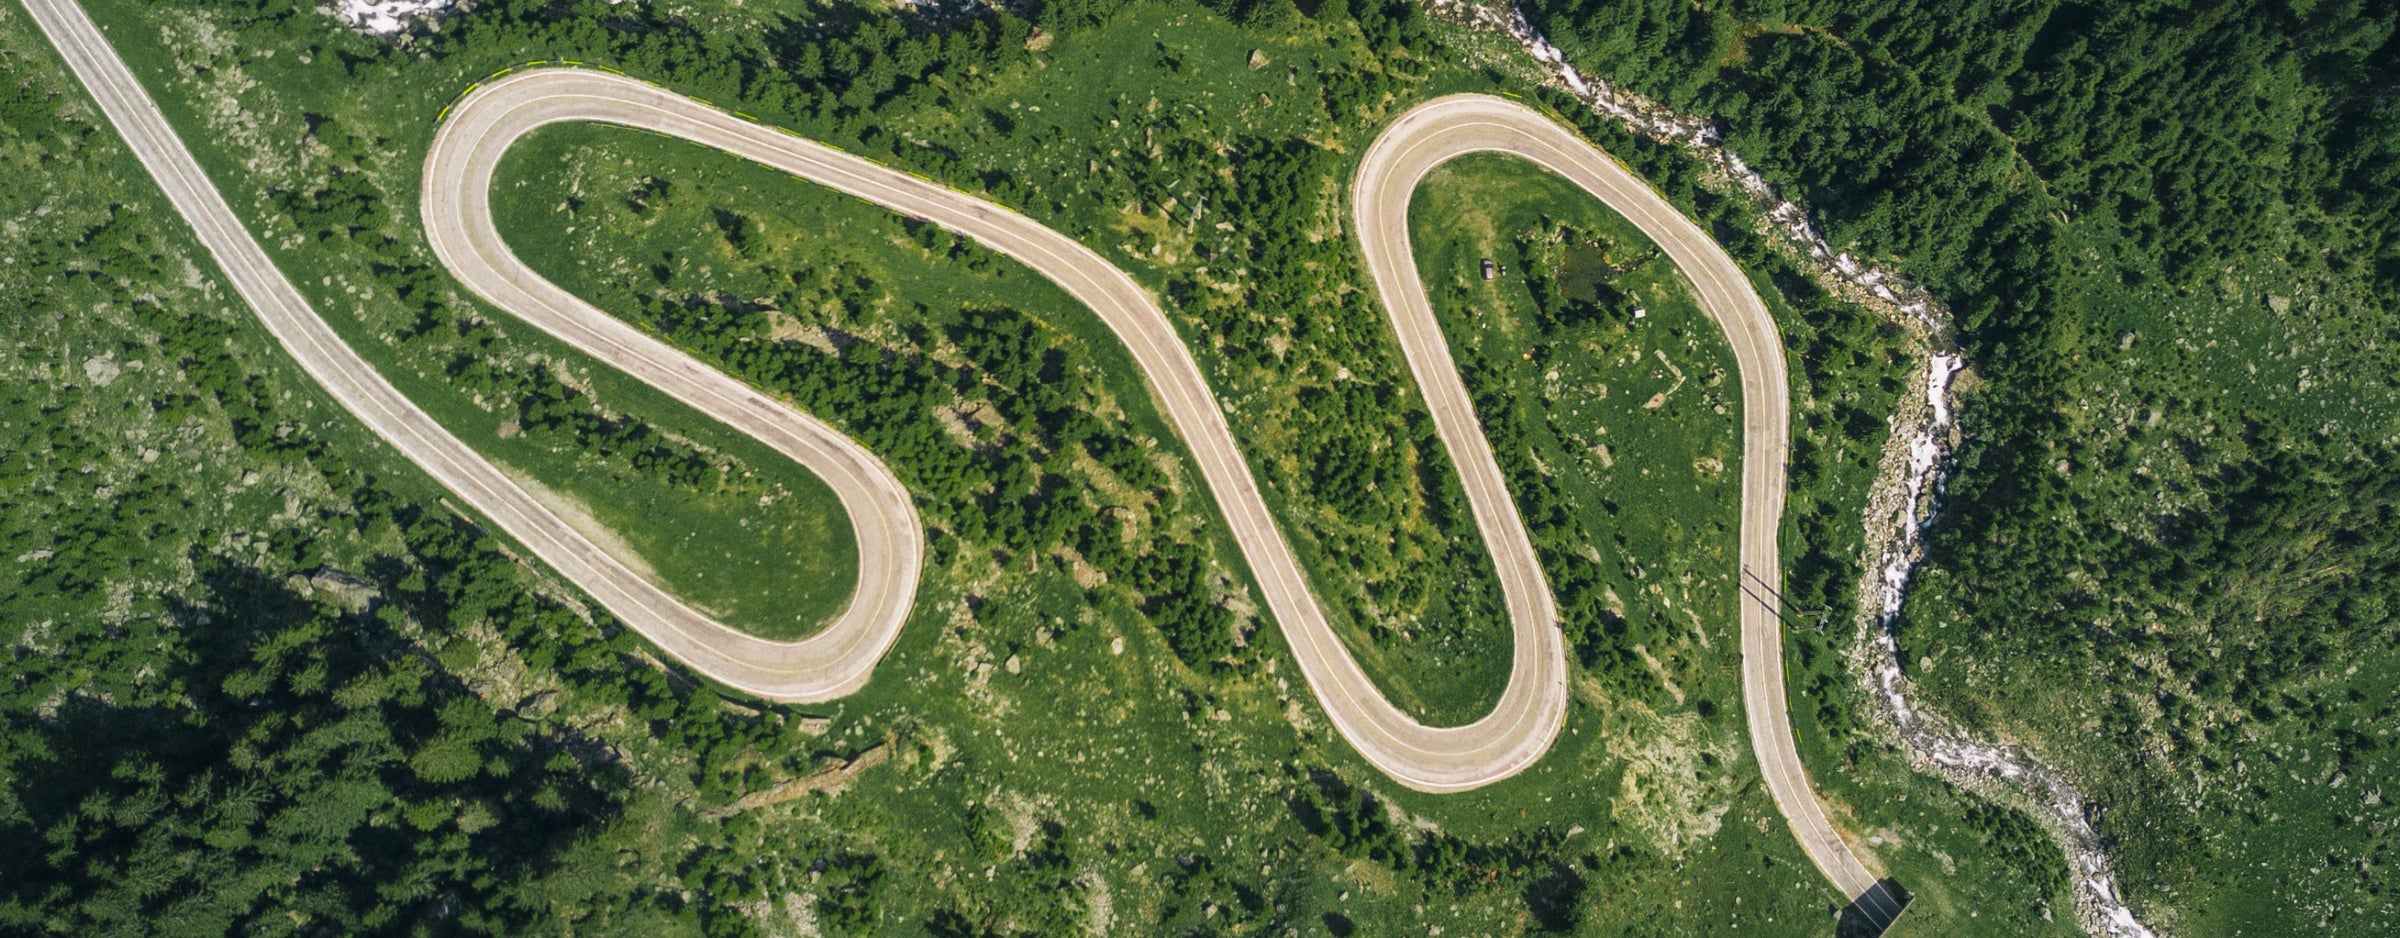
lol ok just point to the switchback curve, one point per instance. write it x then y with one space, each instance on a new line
459 172
839 659
1444 129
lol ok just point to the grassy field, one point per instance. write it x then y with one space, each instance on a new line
1052 763
1635 421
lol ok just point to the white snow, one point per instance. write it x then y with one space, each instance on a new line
384 17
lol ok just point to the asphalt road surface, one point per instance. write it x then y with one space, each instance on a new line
841 657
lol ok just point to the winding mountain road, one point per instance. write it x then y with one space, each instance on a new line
1444 129
457 207
839 659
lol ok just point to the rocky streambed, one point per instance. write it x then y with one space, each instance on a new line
1908 486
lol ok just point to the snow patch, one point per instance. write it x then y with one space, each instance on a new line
385 17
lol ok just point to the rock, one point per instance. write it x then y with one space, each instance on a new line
353 593
1116 646
1014 665
100 370
830 780
538 704
1258 59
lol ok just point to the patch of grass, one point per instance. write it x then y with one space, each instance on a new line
1632 422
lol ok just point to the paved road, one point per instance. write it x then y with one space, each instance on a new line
839 659
1446 128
